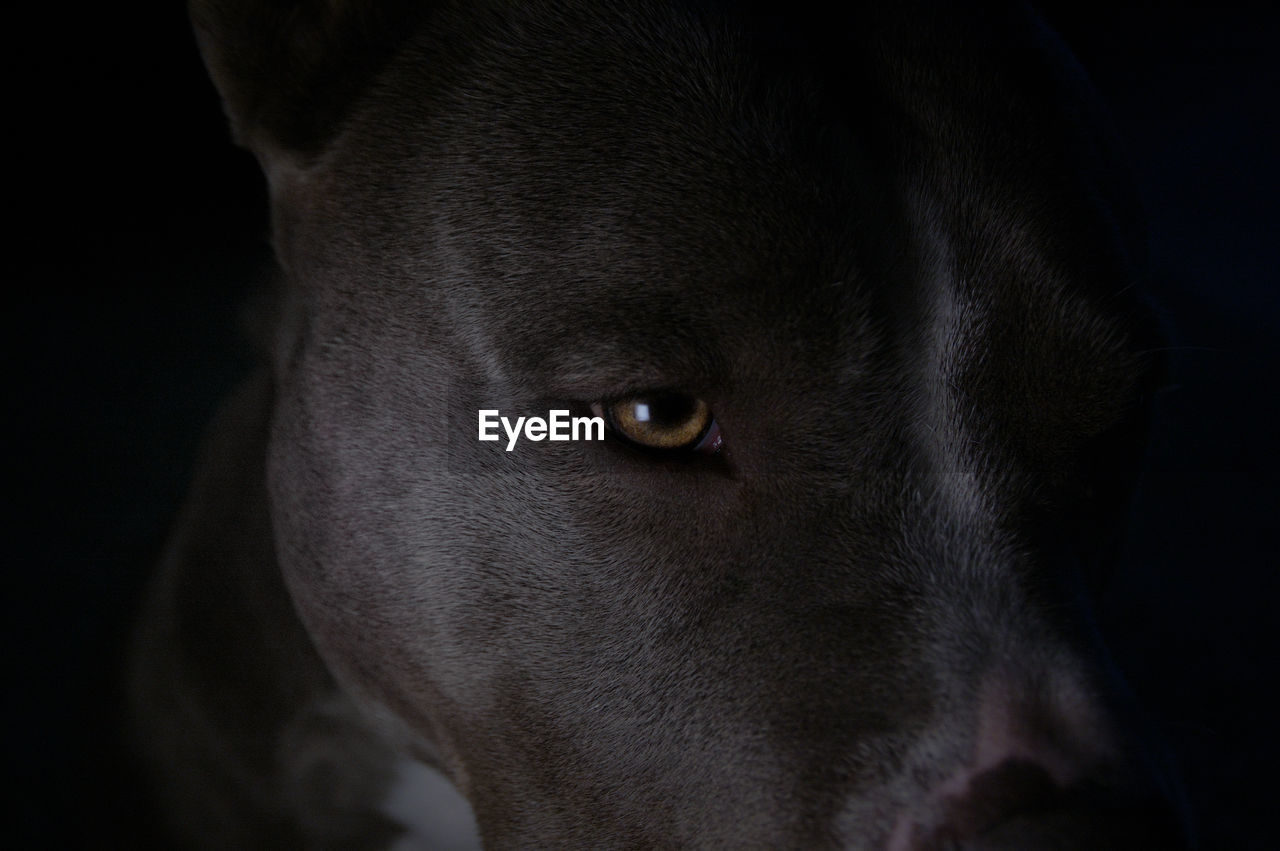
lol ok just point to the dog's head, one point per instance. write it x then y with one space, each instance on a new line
876 255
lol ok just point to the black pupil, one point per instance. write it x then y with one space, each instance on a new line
670 409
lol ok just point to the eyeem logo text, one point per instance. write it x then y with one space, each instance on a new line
557 426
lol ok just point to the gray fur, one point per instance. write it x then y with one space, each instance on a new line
886 246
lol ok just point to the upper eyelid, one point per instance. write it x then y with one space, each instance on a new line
615 367
603 402
649 390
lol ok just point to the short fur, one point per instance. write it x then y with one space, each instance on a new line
886 244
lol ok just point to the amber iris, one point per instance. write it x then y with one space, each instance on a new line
661 421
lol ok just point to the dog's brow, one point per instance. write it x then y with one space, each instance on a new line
614 369
605 380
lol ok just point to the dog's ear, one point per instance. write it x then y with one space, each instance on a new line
289 70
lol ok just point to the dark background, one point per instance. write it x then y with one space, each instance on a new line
136 230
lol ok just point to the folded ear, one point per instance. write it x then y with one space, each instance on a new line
289 70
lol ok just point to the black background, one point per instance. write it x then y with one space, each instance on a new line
135 231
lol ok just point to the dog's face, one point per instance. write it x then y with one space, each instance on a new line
873 253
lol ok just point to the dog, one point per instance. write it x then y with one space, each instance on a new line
850 295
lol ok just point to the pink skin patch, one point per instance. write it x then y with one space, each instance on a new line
711 441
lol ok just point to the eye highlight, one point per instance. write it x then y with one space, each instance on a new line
664 420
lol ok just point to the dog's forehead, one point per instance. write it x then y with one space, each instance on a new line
612 177
620 141
639 187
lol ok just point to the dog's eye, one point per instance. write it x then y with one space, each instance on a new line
665 420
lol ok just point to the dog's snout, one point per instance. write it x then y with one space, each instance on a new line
1046 772
1017 805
